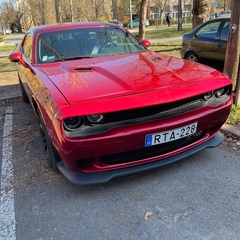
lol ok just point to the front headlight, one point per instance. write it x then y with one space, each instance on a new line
75 123
95 118
72 123
221 92
208 95
216 94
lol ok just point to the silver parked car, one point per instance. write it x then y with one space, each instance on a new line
225 14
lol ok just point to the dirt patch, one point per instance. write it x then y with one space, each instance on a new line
232 141
8 78
8 72
6 65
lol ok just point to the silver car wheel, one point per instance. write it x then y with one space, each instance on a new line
192 57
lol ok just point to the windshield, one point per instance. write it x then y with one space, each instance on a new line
85 43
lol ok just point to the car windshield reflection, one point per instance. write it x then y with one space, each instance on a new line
85 43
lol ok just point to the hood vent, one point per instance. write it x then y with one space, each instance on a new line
83 69
156 59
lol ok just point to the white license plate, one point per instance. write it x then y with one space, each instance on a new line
171 135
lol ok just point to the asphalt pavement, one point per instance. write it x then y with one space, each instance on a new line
13 91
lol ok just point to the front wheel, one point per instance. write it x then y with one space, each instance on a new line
191 56
48 146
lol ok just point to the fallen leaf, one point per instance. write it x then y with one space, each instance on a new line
147 215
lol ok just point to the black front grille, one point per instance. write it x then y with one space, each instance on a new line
195 102
152 151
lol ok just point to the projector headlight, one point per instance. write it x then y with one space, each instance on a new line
72 123
208 95
95 118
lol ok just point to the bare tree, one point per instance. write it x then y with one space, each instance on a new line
142 25
43 12
11 15
136 6
8 14
92 10
160 5
121 10
57 11
201 11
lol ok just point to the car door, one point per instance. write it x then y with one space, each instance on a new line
25 73
205 39
221 42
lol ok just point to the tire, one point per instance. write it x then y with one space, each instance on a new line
191 56
52 157
23 92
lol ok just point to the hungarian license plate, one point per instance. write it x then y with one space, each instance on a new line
171 135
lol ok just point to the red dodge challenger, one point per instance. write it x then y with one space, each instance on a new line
107 106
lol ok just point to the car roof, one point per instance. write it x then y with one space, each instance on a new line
209 21
64 26
217 19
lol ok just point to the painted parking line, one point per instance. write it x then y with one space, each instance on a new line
7 212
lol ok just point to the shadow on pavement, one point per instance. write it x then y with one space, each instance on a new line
10 91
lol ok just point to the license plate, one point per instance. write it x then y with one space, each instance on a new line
171 135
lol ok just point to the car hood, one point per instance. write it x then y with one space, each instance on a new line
116 76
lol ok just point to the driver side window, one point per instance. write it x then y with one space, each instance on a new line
208 31
225 31
27 47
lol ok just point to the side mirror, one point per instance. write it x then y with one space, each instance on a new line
17 57
146 43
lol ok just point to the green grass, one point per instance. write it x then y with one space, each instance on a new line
2 38
8 72
165 32
6 65
171 48
6 48
234 117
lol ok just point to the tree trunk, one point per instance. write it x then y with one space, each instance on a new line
179 15
202 10
232 59
43 13
142 25
19 25
57 3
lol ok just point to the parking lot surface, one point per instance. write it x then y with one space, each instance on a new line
197 198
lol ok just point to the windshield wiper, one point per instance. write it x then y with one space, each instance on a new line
73 58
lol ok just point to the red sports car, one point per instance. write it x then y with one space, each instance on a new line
107 106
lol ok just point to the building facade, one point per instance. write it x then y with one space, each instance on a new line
159 8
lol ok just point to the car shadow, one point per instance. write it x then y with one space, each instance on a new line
10 92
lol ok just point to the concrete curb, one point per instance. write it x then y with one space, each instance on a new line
231 129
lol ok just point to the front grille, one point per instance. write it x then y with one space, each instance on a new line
148 111
152 151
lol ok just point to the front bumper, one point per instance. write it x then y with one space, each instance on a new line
82 178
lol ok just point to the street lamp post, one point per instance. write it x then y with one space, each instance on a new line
71 10
130 13
179 15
